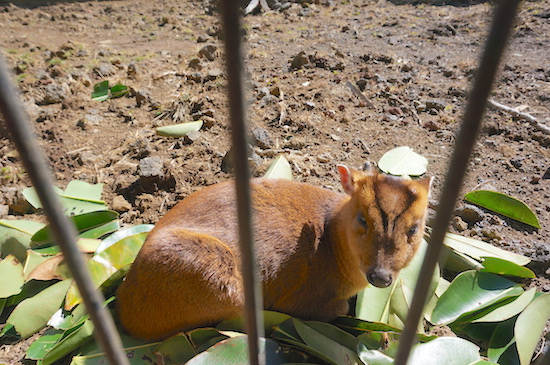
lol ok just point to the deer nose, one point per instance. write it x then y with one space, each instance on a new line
379 277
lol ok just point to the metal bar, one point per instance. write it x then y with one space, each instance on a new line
231 18
63 230
502 22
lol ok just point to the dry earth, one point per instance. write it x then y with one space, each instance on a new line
413 60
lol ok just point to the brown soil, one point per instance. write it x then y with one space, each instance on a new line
414 59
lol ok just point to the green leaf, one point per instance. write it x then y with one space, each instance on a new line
118 90
234 351
479 249
471 291
271 319
123 233
101 231
11 276
30 288
75 339
279 169
509 310
444 350
179 130
101 91
83 222
324 345
505 267
33 313
403 161
176 350
63 320
33 260
15 237
530 325
504 204
114 260
39 348
502 339
373 357
79 197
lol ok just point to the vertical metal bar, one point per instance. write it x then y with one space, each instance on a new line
63 230
502 22
231 18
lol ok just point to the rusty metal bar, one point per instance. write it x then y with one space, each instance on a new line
231 18
503 20
63 230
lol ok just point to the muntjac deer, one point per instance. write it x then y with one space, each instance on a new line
315 249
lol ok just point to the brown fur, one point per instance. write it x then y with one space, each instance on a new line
313 252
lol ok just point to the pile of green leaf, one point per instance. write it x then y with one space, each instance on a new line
495 319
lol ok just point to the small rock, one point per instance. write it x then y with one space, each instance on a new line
208 52
309 105
191 137
54 94
361 84
195 64
275 91
459 224
325 157
104 70
262 138
546 175
432 126
491 234
213 74
296 143
150 173
516 162
470 214
120 204
435 104
132 71
4 210
299 61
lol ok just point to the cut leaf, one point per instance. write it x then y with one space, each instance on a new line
79 197
176 350
403 161
83 222
504 204
502 340
479 249
472 291
444 350
39 348
271 319
123 233
508 310
118 90
11 276
279 169
101 91
234 351
71 340
179 130
530 325
33 313
15 237
505 267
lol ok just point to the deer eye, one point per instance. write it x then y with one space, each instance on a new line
362 221
413 230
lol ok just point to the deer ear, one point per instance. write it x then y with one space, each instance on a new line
427 183
346 179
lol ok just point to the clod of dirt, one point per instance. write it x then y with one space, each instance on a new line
191 137
120 204
208 52
459 224
153 176
262 138
54 94
299 61
470 214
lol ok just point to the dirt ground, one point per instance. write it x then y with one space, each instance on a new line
412 60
